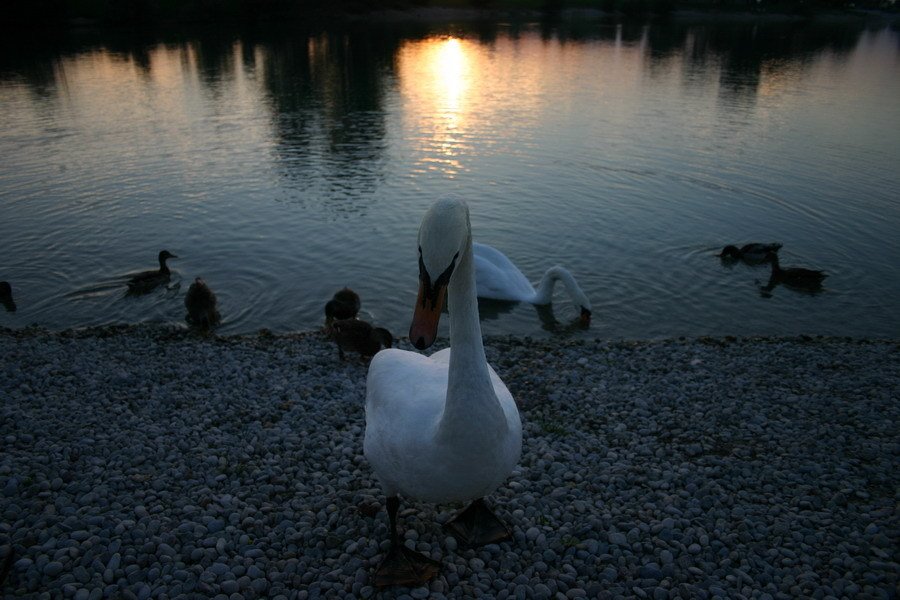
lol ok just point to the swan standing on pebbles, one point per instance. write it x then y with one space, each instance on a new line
496 277
442 428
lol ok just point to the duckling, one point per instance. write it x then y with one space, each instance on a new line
796 277
6 296
146 281
359 336
753 253
343 305
200 302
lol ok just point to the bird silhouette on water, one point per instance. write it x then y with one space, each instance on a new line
343 305
6 297
754 253
808 280
200 302
147 281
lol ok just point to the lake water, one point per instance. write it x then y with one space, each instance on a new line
281 165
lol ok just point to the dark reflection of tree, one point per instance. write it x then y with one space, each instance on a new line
327 93
747 49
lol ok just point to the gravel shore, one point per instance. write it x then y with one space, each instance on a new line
149 462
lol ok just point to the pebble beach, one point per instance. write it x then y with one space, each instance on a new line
152 462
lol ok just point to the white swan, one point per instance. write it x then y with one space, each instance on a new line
498 278
442 428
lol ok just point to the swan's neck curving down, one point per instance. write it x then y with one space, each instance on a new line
470 393
544 292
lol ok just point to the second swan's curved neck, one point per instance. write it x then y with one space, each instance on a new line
544 292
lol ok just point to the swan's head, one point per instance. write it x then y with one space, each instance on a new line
444 236
585 316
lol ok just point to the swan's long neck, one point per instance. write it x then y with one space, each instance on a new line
544 292
469 380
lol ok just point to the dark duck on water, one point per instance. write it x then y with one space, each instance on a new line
750 253
147 281
200 302
343 305
6 298
809 280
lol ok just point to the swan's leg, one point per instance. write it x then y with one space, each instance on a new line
402 566
477 525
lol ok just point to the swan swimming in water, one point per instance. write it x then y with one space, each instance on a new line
442 428
496 277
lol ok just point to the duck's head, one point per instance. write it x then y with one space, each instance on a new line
165 255
730 251
444 236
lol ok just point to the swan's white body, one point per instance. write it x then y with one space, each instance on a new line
442 428
498 278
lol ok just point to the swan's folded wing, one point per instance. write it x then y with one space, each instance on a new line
497 278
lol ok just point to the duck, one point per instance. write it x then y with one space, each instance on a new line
753 253
795 277
146 281
344 304
6 297
200 302
497 278
442 428
355 335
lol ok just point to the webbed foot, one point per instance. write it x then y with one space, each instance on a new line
477 525
402 566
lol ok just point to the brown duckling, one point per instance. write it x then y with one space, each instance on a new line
359 336
796 277
200 302
6 298
750 253
343 305
148 280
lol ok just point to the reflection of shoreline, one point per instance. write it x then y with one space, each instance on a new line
193 15
440 14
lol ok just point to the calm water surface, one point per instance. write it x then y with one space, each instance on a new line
283 165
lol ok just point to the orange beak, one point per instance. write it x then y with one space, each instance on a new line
423 330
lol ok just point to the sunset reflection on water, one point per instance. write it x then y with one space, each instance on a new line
435 77
284 165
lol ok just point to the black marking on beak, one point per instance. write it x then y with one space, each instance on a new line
432 290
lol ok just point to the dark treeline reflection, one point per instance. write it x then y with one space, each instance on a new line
327 92
326 88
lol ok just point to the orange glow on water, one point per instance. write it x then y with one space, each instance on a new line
437 78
